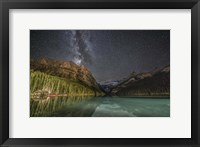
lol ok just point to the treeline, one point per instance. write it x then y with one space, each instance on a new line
57 85
144 92
158 85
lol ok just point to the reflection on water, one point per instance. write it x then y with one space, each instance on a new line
101 107
63 106
133 107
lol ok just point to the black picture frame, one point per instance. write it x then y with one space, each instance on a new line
5 5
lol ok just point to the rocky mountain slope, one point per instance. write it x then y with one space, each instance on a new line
154 83
66 70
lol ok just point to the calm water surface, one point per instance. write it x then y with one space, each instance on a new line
103 107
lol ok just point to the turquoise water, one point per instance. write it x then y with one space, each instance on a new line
116 107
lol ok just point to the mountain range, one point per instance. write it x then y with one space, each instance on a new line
69 73
153 83
67 77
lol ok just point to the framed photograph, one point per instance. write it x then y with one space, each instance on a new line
99 73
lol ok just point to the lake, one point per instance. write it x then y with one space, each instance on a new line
101 107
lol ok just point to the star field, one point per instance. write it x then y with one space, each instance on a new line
108 54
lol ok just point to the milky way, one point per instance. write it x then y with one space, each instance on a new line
80 46
108 54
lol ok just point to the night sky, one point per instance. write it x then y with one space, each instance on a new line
108 54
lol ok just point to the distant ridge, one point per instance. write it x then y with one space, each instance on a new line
153 83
